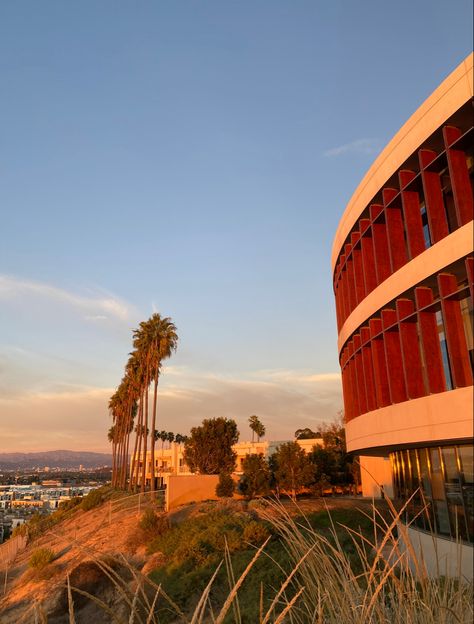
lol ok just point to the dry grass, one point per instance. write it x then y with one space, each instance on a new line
384 585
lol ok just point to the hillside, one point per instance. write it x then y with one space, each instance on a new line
54 459
126 563
82 537
111 533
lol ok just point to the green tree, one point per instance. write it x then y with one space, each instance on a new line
255 479
225 486
208 450
293 468
306 434
333 459
257 427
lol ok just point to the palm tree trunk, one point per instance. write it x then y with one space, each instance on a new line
139 436
153 424
133 460
113 463
126 434
145 438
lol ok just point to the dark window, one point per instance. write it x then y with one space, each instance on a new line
444 350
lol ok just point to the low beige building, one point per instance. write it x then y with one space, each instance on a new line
170 461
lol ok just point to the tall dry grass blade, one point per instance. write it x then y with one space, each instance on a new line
231 579
98 602
70 602
230 598
285 611
133 608
284 586
198 611
151 614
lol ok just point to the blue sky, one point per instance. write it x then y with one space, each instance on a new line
192 158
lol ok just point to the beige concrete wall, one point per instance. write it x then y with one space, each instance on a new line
375 474
437 417
432 260
181 489
443 557
442 103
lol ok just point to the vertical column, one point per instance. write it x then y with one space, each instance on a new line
360 375
337 295
410 348
367 250
382 391
345 389
353 379
470 275
358 270
393 355
459 174
349 402
379 236
395 234
430 340
338 309
350 278
433 197
342 288
368 369
412 215
455 336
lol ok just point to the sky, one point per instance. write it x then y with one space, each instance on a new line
191 158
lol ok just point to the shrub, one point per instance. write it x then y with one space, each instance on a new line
70 504
20 529
152 523
93 499
255 533
40 558
225 485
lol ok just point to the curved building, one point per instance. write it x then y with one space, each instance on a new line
402 265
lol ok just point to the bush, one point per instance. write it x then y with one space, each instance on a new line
225 486
93 499
70 504
20 529
255 533
40 558
153 524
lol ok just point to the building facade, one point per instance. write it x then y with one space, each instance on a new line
403 282
170 460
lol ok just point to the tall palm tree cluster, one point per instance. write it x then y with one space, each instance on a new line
154 341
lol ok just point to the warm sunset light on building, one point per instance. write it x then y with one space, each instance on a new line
403 284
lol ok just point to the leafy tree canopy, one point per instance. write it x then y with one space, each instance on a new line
306 434
293 468
225 486
256 476
208 450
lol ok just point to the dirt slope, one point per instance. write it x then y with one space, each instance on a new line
79 539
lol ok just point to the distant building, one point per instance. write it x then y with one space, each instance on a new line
170 461
403 282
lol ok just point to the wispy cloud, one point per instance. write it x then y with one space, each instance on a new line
98 306
77 416
359 146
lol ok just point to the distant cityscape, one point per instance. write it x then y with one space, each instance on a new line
40 489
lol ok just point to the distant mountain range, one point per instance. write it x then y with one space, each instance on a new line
54 459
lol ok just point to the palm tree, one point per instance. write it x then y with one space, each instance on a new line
257 427
154 341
